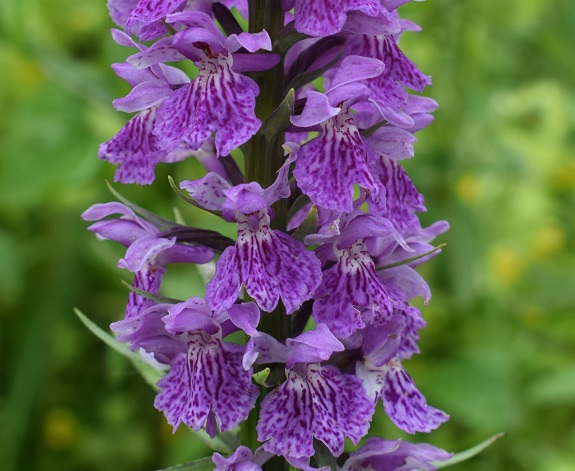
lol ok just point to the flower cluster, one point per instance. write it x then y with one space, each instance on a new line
321 275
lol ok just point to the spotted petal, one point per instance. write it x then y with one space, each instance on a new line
350 284
206 382
271 265
327 17
328 166
148 12
403 403
403 200
319 402
135 149
219 100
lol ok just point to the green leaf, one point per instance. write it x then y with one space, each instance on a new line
203 464
412 259
372 129
287 37
467 454
279 120
261 376
189 199
148 372
308 226
225 442
160 222
151 296
306 77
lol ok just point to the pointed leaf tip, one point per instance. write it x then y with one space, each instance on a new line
470 453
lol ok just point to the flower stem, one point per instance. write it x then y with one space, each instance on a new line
263 158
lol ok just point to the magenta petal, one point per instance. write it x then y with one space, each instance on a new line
320 402
208 378
224 288
143 96
403 403
246 316
316 110
328 166
313 346
241 460
351 284
252 42
135 149
272 265
149 279
263 348
218 100
355 68
208 191
161 51
327 17
383 455
143 250
150 11
403 200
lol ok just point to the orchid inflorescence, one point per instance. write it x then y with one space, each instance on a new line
321 275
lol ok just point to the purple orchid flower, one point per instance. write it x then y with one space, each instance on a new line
351 292
135 148
244 460
388 88
384 455
207 384
384 378
329 165
327 17
269 263
315 401
220 99
148 254
144 17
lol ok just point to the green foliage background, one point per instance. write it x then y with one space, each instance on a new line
499 353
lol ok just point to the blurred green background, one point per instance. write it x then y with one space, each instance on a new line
499 353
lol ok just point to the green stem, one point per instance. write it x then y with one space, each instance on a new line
263 158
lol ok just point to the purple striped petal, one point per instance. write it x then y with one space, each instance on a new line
351 284
403 403
208 191
135 149
208 379
147 331
327 17
402 198
328 166
414 322
149 279
151 11
224 288
272 265
320 402
218 100
398 68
